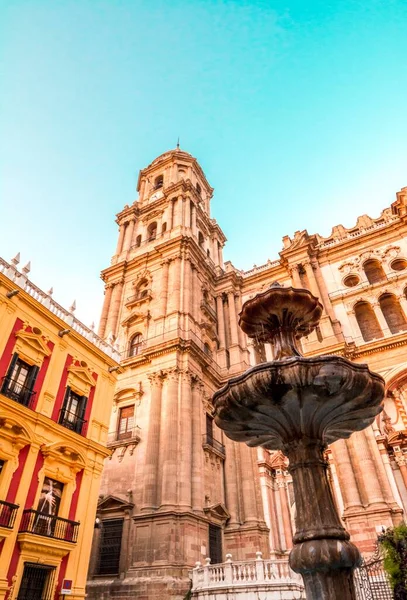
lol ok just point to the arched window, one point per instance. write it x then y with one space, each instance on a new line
152 231
374 271
367 321
164 228
208 253
198 189
201 239
159 182
393 313
136 344
138 241
142 289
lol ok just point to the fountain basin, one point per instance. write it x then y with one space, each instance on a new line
277 403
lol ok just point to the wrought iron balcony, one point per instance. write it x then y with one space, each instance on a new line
18 392
8 513
71 421
208 440
51 526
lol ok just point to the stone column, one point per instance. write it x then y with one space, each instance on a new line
248 484
366 468
390 475
221 321
285 510
346 474
240 333
402 464
233 318
185 463
169 434
382 321
326 301
171 214
193 219
105 309
381 472
231 484
150 482
197 454
129 234
311 279
122 230
164 287
274 529
295 276
111 325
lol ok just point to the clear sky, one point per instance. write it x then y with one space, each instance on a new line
296 111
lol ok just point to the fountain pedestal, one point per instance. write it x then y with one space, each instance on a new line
299 405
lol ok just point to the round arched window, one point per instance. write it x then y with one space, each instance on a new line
351 280
136 344
399 264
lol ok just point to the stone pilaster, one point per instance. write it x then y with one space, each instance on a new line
164 287
122 231
169 437
185 463
197 455
346 475
285 508
150 480
129 234
232 488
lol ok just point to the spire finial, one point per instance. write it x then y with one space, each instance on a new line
178 143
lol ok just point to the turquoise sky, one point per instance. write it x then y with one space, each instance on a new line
296 112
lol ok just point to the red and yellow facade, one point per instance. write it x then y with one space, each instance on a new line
57 381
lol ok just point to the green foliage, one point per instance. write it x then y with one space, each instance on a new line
393 543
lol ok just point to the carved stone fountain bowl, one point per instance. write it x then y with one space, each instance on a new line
276 403
280 307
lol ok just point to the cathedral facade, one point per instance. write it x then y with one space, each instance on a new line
175 490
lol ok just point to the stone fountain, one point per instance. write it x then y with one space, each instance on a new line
300 405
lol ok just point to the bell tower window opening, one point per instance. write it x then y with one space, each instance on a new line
164 228
198 189
374 271
367 321
393 313
138 241
152 231
158 182
136 345
201 239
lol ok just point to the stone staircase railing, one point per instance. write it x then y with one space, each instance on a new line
245 579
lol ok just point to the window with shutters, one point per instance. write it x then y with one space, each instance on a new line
110 547
72 412
136 344
126 423
215 544
19 382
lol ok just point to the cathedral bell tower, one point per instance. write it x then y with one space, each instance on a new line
172 324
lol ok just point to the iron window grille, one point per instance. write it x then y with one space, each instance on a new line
37 582
110 547
215 544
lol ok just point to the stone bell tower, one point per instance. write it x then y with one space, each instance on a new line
164 502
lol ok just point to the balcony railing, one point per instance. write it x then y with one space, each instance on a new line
18 392
206 307
71 421
209 441
51 526
247 579
8 513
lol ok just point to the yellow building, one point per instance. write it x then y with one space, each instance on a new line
57 382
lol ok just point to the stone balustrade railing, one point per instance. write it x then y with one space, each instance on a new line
21 280
246 578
